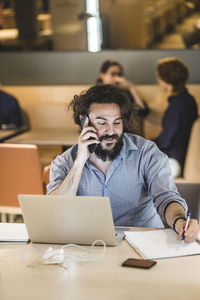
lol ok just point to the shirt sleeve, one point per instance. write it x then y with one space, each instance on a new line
159 180
169 129
58 172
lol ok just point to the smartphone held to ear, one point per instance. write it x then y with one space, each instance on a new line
91 147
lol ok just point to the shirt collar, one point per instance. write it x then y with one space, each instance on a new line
128 145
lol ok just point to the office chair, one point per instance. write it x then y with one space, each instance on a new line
20 173
190 191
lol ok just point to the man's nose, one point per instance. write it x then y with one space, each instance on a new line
109 129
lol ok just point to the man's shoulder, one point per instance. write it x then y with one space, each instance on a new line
70 153
136 139
64 160
146 150
133 141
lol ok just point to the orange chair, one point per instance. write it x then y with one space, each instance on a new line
20 173
45 176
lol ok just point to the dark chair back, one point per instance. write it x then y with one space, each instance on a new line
190 191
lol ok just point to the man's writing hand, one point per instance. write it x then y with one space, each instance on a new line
192 231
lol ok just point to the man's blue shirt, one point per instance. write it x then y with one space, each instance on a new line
138 182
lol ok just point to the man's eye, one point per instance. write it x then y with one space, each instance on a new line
102 124
117 123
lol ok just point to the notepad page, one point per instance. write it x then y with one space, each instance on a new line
162 243
13 232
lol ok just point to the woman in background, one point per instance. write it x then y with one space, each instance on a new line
179 116
111 72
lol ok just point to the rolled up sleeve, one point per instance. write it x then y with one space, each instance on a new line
58 172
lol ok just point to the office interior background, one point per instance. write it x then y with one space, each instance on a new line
52 49
64 42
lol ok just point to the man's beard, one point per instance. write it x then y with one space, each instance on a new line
105 154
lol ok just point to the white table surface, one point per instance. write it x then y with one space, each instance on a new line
169 279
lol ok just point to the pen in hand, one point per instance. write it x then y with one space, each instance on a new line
186 224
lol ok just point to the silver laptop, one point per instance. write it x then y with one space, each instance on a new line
69 219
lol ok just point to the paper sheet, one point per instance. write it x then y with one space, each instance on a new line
13 233
162 243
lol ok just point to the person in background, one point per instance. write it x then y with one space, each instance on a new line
1 15
125 167
111 72
10 112
180 115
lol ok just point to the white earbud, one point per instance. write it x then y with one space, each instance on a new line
51 256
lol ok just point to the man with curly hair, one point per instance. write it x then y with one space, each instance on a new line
128 169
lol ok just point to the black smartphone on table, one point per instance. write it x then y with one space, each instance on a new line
139 263
91 147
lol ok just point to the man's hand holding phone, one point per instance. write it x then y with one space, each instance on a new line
88 139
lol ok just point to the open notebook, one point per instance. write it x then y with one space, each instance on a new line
162 243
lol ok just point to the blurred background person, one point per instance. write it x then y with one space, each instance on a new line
1 15
111 72
10 112
180 114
